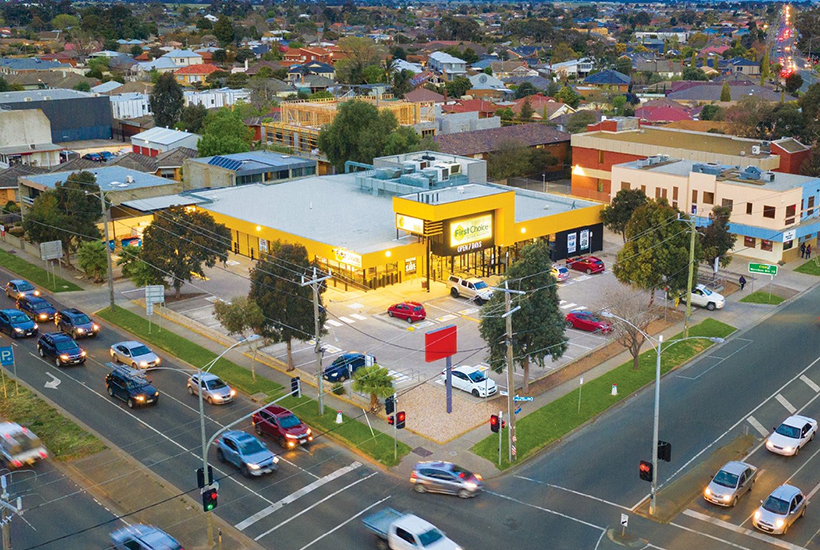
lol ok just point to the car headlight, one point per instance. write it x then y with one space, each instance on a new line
83 353
156 393
140 398
143 363
471 486
707 492
779 523
43 316
788 449
290 436
158 360
253 466
216 396
36 292
757 514
64 356
36 326
309 431
233 392
727 498
276 460
18 329
95 328
80 330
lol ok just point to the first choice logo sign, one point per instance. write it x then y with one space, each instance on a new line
347 257
470 230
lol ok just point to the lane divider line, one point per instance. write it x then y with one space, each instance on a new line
810 383
320 537
785 402
758 426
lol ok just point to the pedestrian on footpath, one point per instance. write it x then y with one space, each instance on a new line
808 251
803 250
742 282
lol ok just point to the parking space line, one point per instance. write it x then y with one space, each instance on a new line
810 383
783 401
568 305
741 530
758 426
448 317
320 537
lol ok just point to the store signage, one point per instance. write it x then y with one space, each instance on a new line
409 224
584 235
789 235
347 257
470 233
410 265
263 246
571 243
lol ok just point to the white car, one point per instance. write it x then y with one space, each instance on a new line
214 391
472 288
791 435
134 354
703 297
472 380
560 273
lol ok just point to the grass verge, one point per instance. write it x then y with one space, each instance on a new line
812 267
761 297
64 439
34 273
352 431
554 420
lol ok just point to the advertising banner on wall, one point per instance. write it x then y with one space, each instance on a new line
571 240
347 257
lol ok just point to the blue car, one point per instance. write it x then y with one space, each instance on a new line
37 309
17 324
75 323
63 349
246 453
345 365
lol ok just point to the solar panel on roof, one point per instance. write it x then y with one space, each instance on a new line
224 162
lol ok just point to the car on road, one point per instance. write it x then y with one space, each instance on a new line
731 482
398 531
246 453
282 425
703 297
63 349
19 446
17 288
17 324
472 380
587 264
75 323
36 308
582 319
130 386
560 273
143 537
780 510
472 288
445 477
214 390
345 365
135 354
408 311
788 438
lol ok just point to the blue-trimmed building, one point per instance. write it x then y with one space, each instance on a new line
245 168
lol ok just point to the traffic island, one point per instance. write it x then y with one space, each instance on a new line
622 538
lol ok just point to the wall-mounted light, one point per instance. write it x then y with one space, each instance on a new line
523 230
388 253
259 228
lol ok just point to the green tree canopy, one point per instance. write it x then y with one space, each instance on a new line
794 82
716 240
224 133
359 132
569 96
694 73
359 53
241 317
167 101
616 214
725 92
579 121
192 118
93 260
525 89
458 86
224 31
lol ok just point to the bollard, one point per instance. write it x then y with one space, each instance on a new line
338 417
614 389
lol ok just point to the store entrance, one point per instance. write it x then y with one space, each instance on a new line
481 263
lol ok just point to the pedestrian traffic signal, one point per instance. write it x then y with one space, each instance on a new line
209 500
646 470
390 404
400 418
665 451
296 387
391 420
200 479
494 424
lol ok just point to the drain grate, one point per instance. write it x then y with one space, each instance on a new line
421 451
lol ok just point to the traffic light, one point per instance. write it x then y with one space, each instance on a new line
494 424
296 387
664 451
400 418
200 479
390 404
391 419
209 500
646 470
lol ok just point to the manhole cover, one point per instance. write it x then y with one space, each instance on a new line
453 453
421 451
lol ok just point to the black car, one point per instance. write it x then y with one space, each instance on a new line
16 324
63 349
345 365
36 308
131 386
75 323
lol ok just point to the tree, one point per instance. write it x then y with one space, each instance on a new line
276 286
357 54
82 87
811 166
359 132
64 21
68 213
526 111
630 305
794 82
656 251
510 159
224 133
725 92
401 82
167 100
569 96
525 89
538 327
224 31
711 112
694 73
374 380
180 243
562 52
140 272
136 50
244 318
623 65
618 104
715 239
579 121
765 66
617 214
92 259
458 86
403 140
192 118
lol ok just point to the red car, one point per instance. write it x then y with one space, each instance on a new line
589 264
588 321
409 311
282 425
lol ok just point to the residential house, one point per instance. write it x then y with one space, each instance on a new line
245 168
40 80
486 86
663 110
130 105
447 65
610 79
709 92
299 56
183 58
667 68
574 68
313 83
423 94
402 65
15 65
484 108
191 75
254 69
740 65
8 180
160 140
504 69
295 72
544 107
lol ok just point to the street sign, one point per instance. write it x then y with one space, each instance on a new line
52 250
765 269
625 520
519 399
7 356
518 410
149 308
154 294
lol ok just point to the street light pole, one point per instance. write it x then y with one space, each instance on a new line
107 214
656 421
689 279
314 284
512 439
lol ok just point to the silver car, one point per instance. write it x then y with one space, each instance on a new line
445 477
732 481
134 354
778 512
214 390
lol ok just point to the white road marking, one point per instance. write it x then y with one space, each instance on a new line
567 306
758 426
786 405
359 317
422 324
314 505
763 442
742 530
397 376
347 320
574 492
547 510
444 318
320 537
355 305
720 360
810 383
679 526
333 323
468 311
274 506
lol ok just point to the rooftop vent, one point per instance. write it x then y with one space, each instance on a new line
708 168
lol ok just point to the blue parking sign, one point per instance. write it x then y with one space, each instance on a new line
6 356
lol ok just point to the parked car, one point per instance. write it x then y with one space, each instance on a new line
409 311
588 321
17 324
703 297
780 510
791 435
560 273
17 288
345 365
143 537
398 531
472 288
282 425
130 386
134 354
214 390
75 323
472 380
19 446
731 482
36 308
63 349
587 264
246 453
445 477
96 157
106 155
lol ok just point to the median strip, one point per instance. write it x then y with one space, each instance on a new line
35 274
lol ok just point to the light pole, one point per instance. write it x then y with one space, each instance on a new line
657 414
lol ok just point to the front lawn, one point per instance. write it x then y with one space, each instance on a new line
812 267
762 297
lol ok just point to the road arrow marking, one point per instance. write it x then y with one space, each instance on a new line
54 382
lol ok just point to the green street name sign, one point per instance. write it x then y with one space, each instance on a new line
765 269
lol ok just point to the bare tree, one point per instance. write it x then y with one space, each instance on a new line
630 305
243 317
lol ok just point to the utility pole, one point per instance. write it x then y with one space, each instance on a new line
107 214
508 311
314 284
689 279
5 516
655 423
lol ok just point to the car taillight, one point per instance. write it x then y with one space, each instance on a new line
413 476
43 454
16 463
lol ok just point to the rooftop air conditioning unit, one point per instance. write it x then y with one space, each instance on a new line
767 176
129 179
755 149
